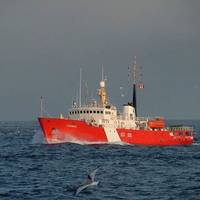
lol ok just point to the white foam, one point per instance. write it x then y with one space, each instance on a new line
38 138
75 141
196 144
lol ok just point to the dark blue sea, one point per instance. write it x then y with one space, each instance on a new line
31 169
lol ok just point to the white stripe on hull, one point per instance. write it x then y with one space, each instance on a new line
111 134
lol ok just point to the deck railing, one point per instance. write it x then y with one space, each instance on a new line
180 128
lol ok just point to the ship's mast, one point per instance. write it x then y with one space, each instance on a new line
135 81
41 106
86 93
102 91
80 86
102 73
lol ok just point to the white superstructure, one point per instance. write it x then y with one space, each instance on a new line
104 114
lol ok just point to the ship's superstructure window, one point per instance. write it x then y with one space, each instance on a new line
92 111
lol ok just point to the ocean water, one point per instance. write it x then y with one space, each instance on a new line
31 169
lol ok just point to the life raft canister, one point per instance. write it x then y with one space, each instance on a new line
156 123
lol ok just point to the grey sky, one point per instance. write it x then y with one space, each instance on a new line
43 43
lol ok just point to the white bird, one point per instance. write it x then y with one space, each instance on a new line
88 183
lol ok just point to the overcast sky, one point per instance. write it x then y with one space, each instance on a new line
43 44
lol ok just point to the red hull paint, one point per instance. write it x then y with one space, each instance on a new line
64 130
154 138
69 130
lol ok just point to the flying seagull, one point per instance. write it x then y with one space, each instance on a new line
88 183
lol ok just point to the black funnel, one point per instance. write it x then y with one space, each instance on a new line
134 103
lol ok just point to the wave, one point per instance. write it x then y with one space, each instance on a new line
75 141
196 144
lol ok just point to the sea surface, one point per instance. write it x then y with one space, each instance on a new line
31 169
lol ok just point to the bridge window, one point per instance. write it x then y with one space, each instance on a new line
102 112
94 111
90 111
97 111
87 111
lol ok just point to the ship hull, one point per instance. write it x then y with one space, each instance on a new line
58 130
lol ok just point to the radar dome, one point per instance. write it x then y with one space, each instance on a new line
102 83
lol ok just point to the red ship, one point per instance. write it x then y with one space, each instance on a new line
100 122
